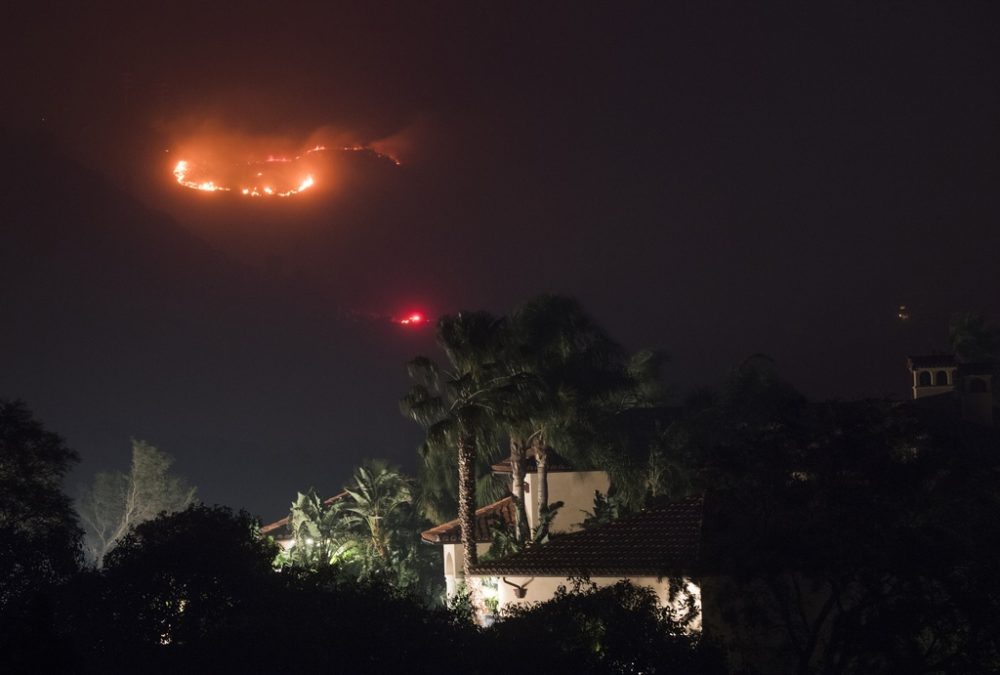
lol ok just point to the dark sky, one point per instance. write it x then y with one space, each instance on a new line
715 179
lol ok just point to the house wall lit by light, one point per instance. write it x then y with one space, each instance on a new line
656 548
574 488
942 377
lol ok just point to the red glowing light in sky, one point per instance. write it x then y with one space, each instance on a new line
412 319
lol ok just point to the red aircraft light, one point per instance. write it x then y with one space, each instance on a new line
413 319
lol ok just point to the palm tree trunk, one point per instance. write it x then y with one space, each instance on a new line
377 538
542 464
467 500
518 455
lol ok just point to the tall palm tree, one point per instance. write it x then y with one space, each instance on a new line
463 404
582 377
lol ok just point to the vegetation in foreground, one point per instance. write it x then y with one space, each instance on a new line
839 537
196 592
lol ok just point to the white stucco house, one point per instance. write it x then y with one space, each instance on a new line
649 548
574 488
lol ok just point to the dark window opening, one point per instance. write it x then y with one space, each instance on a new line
941 379
925 379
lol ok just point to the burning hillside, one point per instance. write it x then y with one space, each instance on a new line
270 175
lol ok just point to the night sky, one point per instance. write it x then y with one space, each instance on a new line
713 179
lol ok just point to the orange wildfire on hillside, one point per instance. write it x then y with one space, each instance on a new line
270 176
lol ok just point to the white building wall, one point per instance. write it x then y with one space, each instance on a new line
454 565
574 488
540 589
933 389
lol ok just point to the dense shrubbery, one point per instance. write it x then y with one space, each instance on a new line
839 537
195 592
369 534
846 537
615 629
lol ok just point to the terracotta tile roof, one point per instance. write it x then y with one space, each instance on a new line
271 528
451 532
662 539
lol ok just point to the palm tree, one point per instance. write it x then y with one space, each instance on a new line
376 493
320 532
582 377
462 406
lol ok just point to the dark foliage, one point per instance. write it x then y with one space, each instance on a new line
847 537
38 529
616 629
39 537
194 592
839 537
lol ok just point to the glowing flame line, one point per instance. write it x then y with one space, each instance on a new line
182 169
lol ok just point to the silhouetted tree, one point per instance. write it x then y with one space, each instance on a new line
847 537
183 574
38 529
973 338
195 592
39 541
615 629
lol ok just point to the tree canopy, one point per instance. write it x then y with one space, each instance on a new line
546 376
368 533
38 528
974 338
825 520
117 502
462 405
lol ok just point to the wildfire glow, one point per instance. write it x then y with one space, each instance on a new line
270 176
181 172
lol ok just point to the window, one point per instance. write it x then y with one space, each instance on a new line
925 378
941 379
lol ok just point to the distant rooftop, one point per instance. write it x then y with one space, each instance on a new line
486 517
932 361
274 528
949 361
662 539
